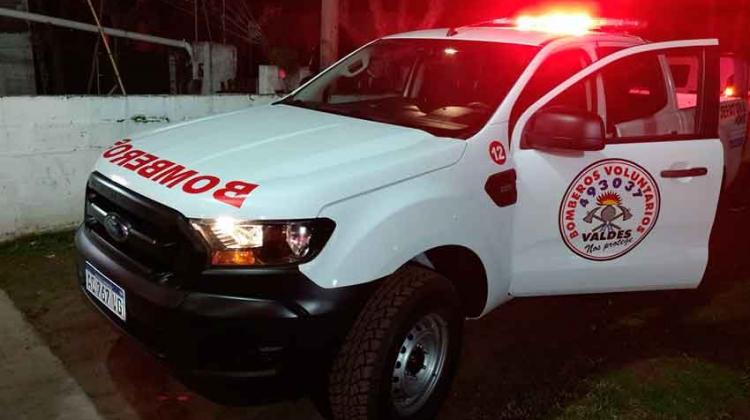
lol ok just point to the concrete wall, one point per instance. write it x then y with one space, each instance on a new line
49 144
16 64
217 65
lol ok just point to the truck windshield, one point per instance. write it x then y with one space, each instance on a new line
448 88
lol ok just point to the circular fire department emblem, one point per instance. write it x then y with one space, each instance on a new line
608 209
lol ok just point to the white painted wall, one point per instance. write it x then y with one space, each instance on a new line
48 145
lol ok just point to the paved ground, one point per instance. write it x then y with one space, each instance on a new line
33 382
533 358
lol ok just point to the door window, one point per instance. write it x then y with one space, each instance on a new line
557 68
647 97
636 91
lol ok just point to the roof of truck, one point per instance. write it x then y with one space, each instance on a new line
509 35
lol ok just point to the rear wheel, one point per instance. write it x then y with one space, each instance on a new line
400 357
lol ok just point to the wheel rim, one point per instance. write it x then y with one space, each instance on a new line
419 364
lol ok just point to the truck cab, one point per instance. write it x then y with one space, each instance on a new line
426 178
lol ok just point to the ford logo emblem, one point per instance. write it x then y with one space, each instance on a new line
116 227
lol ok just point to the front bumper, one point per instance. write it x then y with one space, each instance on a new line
235 323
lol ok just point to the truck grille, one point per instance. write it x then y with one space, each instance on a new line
154 236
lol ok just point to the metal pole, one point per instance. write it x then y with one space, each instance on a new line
208 22
71 24
95 56
94 66
106 47
329 32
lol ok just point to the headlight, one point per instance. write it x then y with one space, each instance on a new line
237 243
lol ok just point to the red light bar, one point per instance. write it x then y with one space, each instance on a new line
562 23
570 23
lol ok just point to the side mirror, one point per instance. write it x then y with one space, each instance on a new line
561 128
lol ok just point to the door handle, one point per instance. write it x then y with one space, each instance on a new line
684 173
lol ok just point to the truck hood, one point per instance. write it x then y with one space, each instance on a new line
300 160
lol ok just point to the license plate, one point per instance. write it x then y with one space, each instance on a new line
105 291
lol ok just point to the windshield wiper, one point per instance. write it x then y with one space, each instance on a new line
301 104
291 101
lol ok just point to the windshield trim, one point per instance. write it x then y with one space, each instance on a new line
364 118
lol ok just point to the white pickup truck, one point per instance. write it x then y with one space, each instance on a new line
428 177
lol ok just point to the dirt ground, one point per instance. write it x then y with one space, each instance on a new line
638 355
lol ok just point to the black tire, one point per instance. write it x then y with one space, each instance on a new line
362 375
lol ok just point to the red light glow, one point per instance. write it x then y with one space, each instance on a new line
562 23
730 91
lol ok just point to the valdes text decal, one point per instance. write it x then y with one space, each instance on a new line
608 209
171 174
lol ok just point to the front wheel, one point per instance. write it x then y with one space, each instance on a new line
401 354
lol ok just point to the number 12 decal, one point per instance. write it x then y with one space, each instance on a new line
497 152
